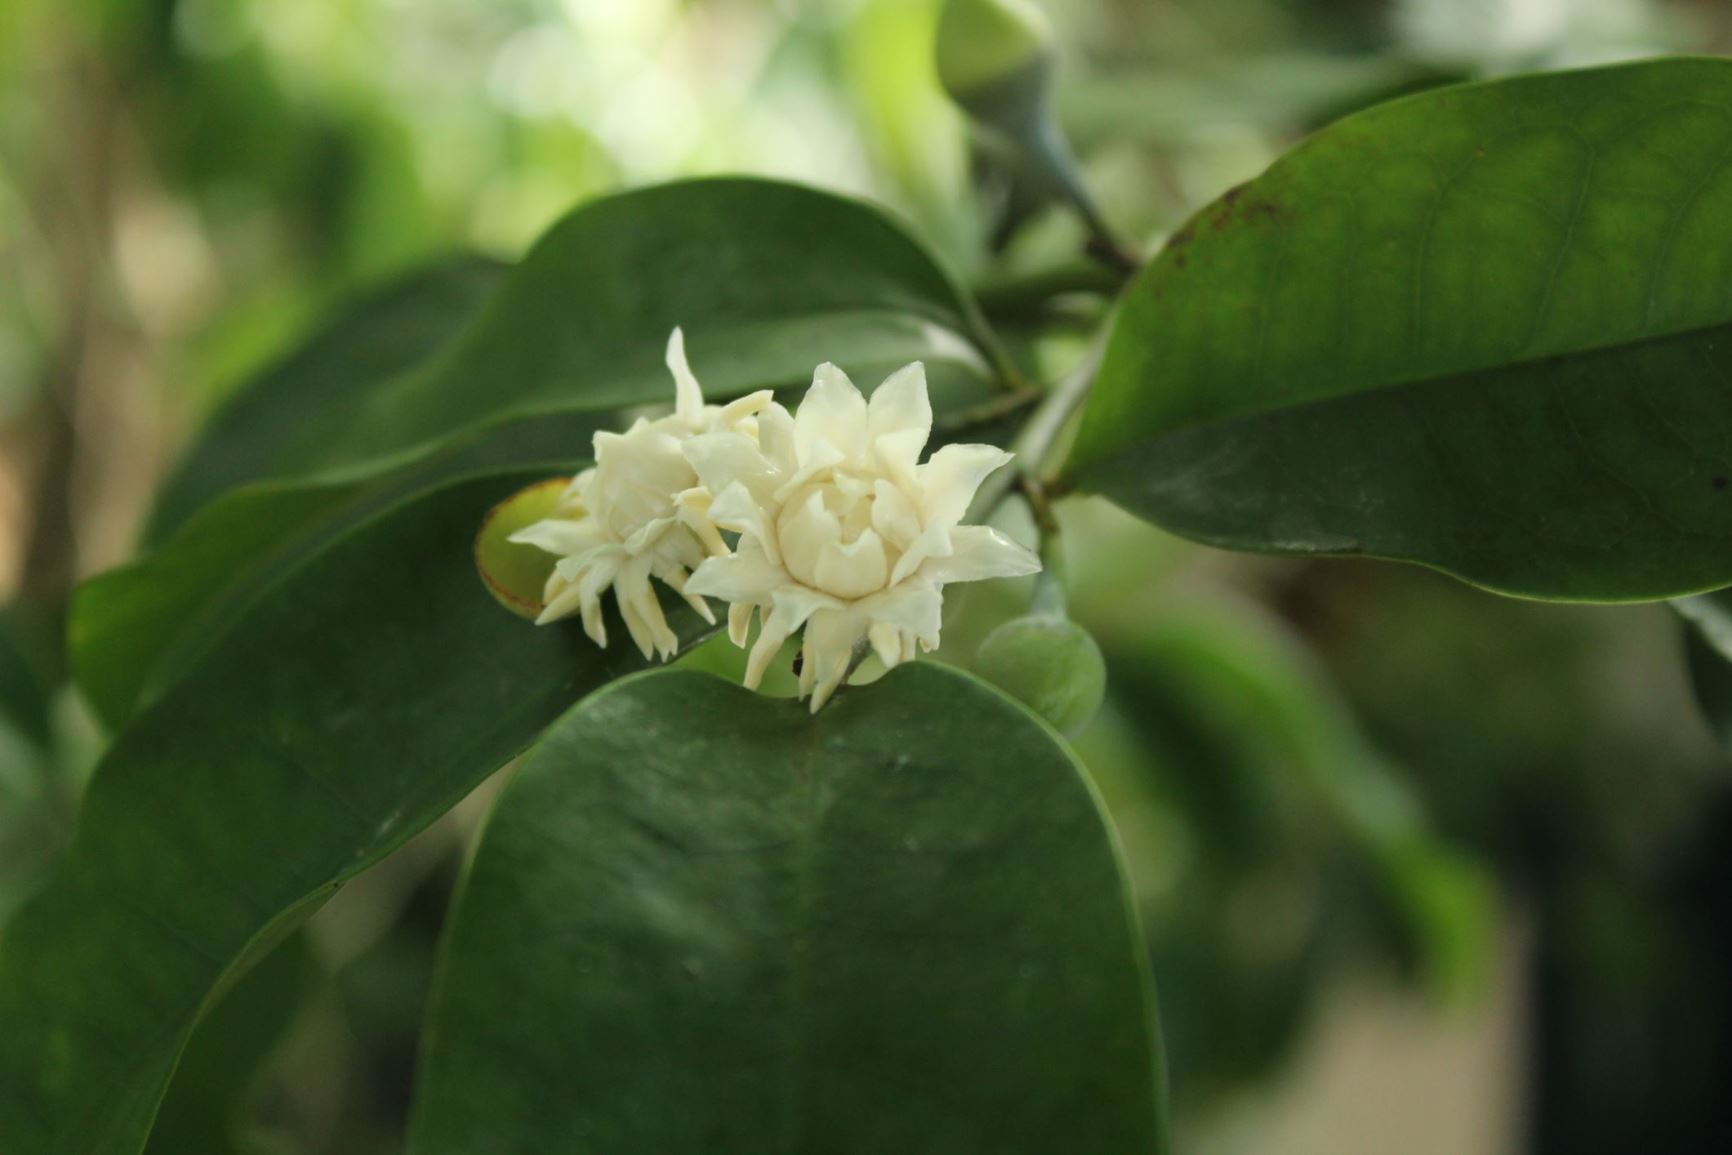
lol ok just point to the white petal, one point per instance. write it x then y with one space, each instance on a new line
894 516
853 569
795 603
829 648
737 509
900 404
949 479
979 552
832 410
743 577
802 532
899 420
560 537
914 607
720 459
740 408
772 632
740 621
776 438
688 397
886 642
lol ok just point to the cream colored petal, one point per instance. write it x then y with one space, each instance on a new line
776 438
649 533
934 541
688 396
816 459
853 569
693 506
979 552
677 577
894 516
740 408
899 420
900 404
829 648
736 509
721 459
832 410
563 604
948 481
745 576
803 532
794 604
772 632
914 607
560 536
740 622
886 642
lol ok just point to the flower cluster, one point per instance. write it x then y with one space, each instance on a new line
838 527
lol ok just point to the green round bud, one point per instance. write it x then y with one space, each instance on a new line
517 574
1049 664
985 43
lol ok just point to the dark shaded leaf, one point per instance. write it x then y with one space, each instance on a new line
702 921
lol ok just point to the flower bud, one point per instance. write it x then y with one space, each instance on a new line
1049 664
988 47
516 575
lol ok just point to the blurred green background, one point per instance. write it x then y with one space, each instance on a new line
1422 870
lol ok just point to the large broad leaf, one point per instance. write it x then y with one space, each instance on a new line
1487 328
767 279
704 922
364 346
364 692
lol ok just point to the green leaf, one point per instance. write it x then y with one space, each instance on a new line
1708 645
701 921
364 691
1486 328
202 1112
767 279
379 336
133 628
1267 758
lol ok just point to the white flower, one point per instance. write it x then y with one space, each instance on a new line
639 513
842 530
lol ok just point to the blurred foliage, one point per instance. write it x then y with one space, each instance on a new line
185 185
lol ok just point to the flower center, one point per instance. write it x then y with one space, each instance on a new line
828 541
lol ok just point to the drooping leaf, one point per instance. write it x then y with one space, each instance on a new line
365 345
1486 328
361 694
701 921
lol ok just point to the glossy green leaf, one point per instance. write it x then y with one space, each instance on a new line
362 693
1485 328
365 345
702 921
767 279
